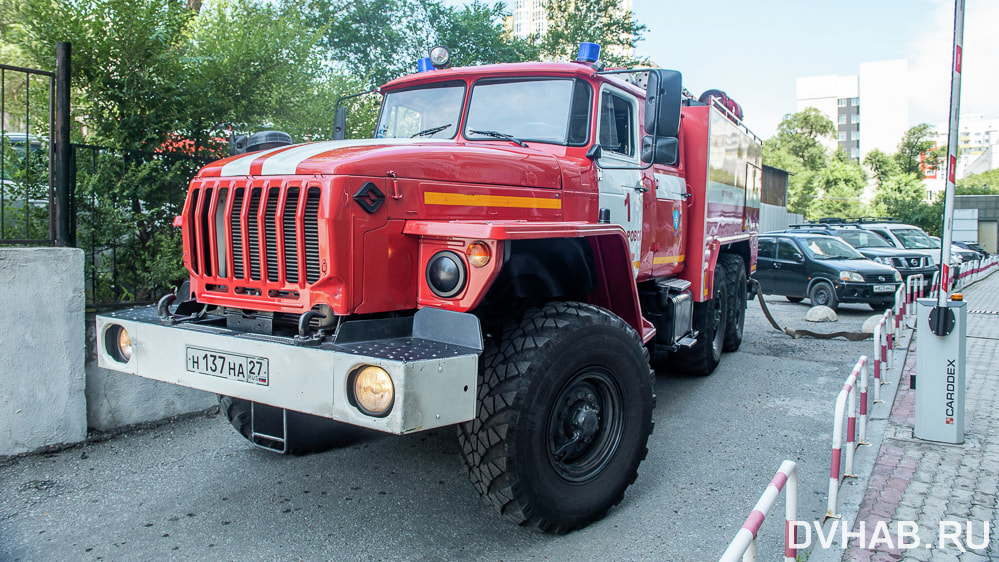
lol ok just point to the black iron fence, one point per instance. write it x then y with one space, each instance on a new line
27 156
122 207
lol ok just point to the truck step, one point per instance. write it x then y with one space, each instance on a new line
263 429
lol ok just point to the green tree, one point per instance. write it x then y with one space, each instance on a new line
903 197
571 22
800 134
917 142
882 165
837 188
379 40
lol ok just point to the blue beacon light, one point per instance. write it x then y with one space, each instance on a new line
424 65
588 52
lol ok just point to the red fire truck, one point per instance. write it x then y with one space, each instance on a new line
506 255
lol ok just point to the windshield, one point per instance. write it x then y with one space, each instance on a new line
545 110
913 239
862 239
830 248
430 111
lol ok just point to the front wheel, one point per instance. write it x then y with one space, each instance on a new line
823 294
565 410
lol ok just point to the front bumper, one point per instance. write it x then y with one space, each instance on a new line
431 357
864 292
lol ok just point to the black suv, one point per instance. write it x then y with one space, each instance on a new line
874 247
824 269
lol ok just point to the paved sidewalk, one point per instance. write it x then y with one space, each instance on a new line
933 485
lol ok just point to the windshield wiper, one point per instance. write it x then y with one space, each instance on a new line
430 131
499 135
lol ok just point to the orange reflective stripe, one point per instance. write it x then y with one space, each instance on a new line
466 200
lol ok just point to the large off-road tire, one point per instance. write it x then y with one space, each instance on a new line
823 294
738 292
565 403
710 321
306 433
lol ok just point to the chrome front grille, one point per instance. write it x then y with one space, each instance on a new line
269 233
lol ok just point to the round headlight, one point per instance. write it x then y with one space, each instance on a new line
446 274
440 57
372 390
118 344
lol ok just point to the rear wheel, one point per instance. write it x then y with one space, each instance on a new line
564 413
710 321
305 433
823 294
735 271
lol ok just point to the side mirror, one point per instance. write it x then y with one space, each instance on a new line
340 123
660 150
594 152
662 102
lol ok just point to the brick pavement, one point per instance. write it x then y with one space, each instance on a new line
928 483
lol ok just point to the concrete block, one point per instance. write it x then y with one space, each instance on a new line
116 400
42 335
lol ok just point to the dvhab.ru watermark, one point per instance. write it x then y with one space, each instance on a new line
898 535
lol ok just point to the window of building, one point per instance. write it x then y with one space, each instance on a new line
841 102
855 119
842 135
842 119
854 153
854 102
854 135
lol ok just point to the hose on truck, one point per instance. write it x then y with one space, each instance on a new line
852 336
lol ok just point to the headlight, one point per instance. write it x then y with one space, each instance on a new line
851 276
446 274
898 276
886 261
372 391
440 57
118 343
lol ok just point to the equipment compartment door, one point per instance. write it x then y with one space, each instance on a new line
621 190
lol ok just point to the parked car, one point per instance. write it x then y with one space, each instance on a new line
956 251
974 247
824 269
874 248
902 236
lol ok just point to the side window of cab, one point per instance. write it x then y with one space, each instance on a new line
618 124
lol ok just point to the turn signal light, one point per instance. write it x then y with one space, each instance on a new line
478 254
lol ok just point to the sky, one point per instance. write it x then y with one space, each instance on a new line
755 49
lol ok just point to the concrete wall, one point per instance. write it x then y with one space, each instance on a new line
41 348
115 400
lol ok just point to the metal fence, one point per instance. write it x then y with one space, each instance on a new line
122 208
27 156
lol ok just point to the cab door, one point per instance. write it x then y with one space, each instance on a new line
620 177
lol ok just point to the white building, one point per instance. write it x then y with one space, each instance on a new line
870 110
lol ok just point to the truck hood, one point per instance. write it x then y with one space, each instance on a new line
437 160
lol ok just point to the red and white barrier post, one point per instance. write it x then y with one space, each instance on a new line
743 546
881 345
847 397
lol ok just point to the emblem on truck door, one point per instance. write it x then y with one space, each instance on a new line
369 197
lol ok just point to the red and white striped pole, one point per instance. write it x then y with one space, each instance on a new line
743 546
848 393
952 141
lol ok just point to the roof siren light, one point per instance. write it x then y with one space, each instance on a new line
440 57
588 52
424 65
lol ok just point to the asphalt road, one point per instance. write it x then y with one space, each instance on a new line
196 490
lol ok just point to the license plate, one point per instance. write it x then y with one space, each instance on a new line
233 366
884 288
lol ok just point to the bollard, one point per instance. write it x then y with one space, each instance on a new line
846 395
743 546
880 357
